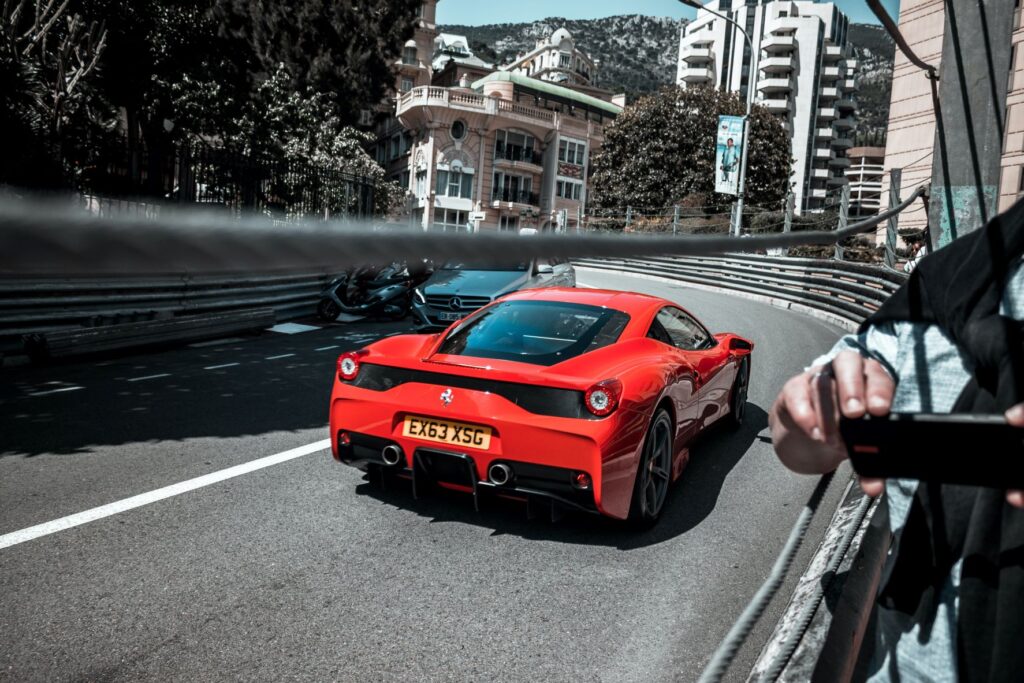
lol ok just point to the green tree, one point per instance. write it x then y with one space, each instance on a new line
345 49
661 151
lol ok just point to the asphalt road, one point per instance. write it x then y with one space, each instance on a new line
303 571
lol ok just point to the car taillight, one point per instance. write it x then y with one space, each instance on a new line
603 398
348 364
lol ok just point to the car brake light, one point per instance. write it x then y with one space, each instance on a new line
603 398
348 364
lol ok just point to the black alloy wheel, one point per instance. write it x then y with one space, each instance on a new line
738 399
654 473
328 310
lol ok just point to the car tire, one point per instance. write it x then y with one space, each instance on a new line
653 473
327 310
738 395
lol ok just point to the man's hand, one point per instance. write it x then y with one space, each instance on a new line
805 417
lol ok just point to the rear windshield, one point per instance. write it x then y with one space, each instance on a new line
538 332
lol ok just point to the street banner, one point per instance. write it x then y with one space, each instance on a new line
727 154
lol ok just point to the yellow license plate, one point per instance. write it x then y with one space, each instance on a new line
442 431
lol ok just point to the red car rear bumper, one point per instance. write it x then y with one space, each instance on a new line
543 452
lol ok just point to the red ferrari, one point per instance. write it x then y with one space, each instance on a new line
584 399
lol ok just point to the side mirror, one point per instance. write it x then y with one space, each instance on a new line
737 344
545 269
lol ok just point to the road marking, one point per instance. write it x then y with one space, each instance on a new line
291 328
218 367
55 391
139 379
327 348
52 527
283 355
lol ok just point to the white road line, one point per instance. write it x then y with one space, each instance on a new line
52 527
218 367
55 391
283 355
327 348
139 379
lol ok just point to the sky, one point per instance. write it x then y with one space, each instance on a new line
475 12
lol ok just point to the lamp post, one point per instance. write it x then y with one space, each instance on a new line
751 87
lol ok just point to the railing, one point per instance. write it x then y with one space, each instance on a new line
846 293
518 196
31 306
517 153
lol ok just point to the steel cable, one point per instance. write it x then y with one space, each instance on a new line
726 652
48 238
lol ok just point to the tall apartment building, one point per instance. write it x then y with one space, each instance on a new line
802 71
910 141
865 177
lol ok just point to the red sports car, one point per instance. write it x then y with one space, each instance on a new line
577 398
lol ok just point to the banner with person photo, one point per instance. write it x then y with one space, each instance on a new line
728 152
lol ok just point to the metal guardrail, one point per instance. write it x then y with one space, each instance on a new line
847 291
34 306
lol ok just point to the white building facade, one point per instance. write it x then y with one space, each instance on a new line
802 70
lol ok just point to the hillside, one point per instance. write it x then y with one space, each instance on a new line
638 54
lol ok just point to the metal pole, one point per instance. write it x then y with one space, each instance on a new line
629 216
755 58
895 179
675 220
787 220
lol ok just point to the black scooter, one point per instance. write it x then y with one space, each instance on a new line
372 292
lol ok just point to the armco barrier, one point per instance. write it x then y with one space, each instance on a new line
845 292
30 306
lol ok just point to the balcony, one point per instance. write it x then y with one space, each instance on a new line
774 84
517 154
846 104
776 64
823 153
698 55
460 100
698 38
695 75
780 43
840 162
843 143
827 113
843 123
821 173
847 84
819 193
829 93
833 52
514 197
837 180
775 104
830 73
824 133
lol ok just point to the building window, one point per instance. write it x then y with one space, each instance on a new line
404 182
451 220
409 55
564 60
567 189
455 182
572 152
421 183
515 146
406 84
513 188
510 223
458 130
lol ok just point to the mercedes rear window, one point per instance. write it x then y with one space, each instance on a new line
538 332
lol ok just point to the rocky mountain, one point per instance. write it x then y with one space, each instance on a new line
638 54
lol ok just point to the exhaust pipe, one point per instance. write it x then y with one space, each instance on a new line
391 455
499 474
